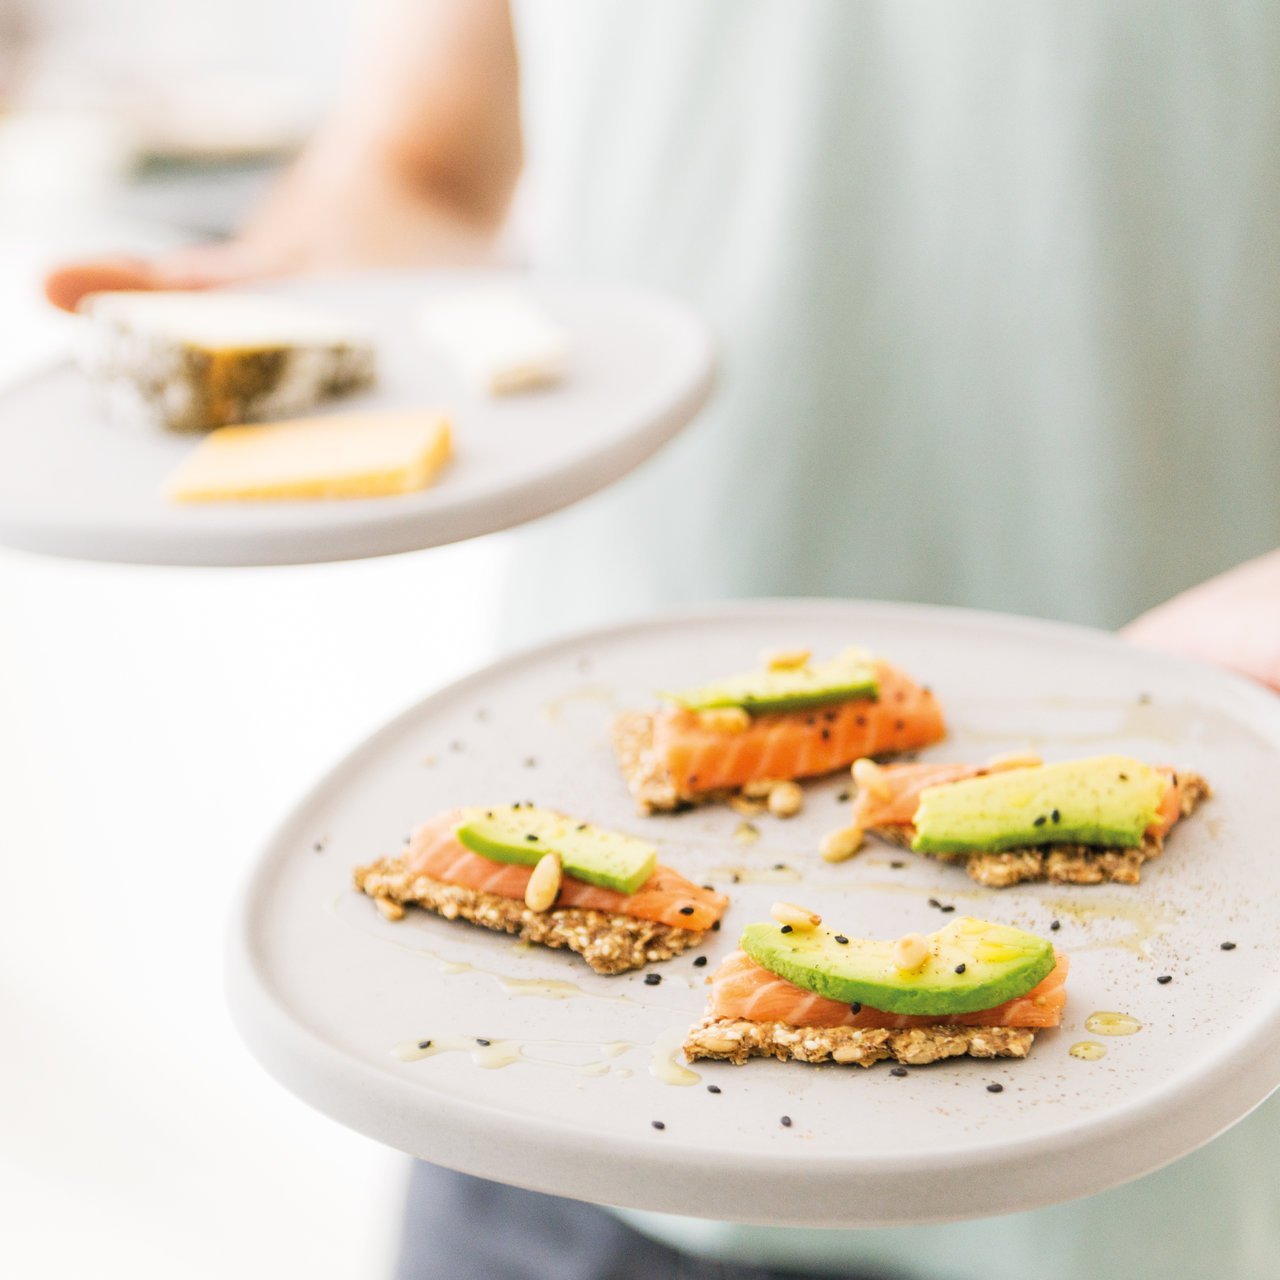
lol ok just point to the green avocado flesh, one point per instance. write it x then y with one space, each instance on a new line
519 833
1106 800
852 675
1000 963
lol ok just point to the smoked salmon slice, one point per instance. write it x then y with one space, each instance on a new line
666 897
699 758
891 804
742 988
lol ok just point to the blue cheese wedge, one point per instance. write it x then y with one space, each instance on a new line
354 455
192 361
498 340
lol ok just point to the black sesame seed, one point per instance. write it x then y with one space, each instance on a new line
995 1088
652 979
842 940
960 968
843 797
946 906
826 735
1055 925
582 826
715 926
1227 946
483 1043
933 902
657 1124
779 866
786 928
860 721
898 1071
855 1007
1124 777
1164 979
699 961
424 1044
785 1122
897 866
686 911
713 1088
900 725
1055 816
1040 821
531 837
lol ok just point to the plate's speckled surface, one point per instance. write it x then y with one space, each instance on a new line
325 990
641 367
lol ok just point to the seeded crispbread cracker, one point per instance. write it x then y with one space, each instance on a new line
1061 863
737 1039
608 943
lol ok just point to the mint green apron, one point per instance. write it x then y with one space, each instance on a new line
997 287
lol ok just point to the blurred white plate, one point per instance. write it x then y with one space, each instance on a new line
70 485
324 990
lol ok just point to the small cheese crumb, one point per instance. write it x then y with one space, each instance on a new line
356 455
499 340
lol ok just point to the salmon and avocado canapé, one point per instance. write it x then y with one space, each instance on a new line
1083 821
974 988
794 718
598 893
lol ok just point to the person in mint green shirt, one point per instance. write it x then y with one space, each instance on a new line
998 294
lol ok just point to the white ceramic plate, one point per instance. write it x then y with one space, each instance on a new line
71 485
324 990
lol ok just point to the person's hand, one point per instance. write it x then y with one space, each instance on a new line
416 164
312 222
1232 620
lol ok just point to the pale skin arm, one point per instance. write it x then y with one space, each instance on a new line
416 164
1232 620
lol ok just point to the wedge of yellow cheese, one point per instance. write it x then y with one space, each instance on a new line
352 455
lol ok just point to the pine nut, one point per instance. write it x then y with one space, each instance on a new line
870 777
544 885
725 720
786 800
759 788
748 808
838 845
846 1053
390 910
1014 760
786 659
801 919
910 951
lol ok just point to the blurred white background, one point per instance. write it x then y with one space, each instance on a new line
154 724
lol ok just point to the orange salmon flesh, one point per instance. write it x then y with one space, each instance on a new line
797 744
907 781
666 896
741 988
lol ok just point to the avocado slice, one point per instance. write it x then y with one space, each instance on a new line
852 675
523 834
971 965
1104 800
